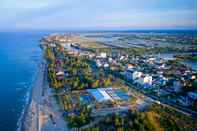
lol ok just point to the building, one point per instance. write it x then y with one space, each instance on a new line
130 66
99 94
136 75
108 94
148 80
102 55
128 74
151 60
59 73
106 65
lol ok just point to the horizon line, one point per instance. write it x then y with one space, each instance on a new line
102 30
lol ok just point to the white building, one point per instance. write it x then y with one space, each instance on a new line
98 63
110 59
122 57
148 80
52 45
137 74
151 60
106 65
103 55
59 73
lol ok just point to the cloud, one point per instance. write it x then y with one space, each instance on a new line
58 14
174 16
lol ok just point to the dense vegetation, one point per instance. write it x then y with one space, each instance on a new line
80 73
133 51
157 118
132 121
186 57
82 119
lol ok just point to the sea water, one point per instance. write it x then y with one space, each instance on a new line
19 58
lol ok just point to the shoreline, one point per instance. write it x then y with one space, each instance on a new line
42 112
30 94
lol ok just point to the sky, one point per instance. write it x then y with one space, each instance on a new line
98 14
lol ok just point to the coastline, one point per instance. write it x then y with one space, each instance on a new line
24 118
42 112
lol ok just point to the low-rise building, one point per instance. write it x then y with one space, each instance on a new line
128 74
148 80
136 75
102 55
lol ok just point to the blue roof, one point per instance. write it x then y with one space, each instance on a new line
98 96
122 95
113 94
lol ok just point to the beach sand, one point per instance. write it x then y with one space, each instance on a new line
42 112
31 114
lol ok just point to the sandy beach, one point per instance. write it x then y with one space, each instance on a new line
42 112
30 116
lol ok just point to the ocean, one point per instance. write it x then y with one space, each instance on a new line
19 58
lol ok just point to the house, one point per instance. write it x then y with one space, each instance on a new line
122 57
106 65
193 77
128 74
91 55
99 64
130 66
110 59
151 60
59 73
148 80
136 75
162 66
102 55
144 80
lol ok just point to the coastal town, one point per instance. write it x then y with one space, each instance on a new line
90 84
98 65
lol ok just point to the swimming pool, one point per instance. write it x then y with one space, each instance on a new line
98 94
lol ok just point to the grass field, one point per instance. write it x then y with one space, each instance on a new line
88 43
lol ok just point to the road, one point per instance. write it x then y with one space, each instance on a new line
107 111
173 106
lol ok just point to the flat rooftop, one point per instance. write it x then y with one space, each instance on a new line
108 94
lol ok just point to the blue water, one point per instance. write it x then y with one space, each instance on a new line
19 58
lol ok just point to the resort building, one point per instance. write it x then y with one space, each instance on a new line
108 94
